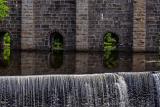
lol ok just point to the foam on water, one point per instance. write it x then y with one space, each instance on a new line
98 90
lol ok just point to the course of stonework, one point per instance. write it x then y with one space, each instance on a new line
83 23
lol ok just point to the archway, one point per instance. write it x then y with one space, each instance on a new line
56 41
5 44
111 41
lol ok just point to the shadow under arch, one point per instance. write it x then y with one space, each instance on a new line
56 41
5 47
111 53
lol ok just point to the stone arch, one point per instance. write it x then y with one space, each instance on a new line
110 39
110 47
56 40
5 47
2 35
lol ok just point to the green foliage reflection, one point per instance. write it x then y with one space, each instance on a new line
111 59
6 55
110 51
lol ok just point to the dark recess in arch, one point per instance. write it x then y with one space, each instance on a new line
5 48
56 41
113 35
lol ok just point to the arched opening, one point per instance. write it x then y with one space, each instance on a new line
111 41
56 41
5 44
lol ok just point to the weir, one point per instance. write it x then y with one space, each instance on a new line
97 90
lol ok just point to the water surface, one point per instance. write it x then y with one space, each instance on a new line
43 63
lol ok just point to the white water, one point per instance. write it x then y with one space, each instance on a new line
157 83
103 90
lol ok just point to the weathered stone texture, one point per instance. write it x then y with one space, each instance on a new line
55 15
153 25
27 34
12 24
83 23
110 16
139 25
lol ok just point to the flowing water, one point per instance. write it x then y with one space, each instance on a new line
29 79
96 90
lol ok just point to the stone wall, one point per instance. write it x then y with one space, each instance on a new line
83 23
12 24
110 16
51 16
139 25
28 31
153 25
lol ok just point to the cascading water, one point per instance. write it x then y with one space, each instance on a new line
156 77
98 90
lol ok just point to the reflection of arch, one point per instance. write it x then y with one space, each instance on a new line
111 40
56 41
110 59
5 63
56 59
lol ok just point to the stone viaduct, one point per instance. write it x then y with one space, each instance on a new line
83 23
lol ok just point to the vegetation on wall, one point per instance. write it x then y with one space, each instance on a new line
110 43
4 9
7 40
6 48
110 53
56 41
57 44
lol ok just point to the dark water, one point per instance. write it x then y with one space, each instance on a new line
41 79
41 63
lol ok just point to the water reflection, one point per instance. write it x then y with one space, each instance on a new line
37 63
5 57
56 59
111 59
